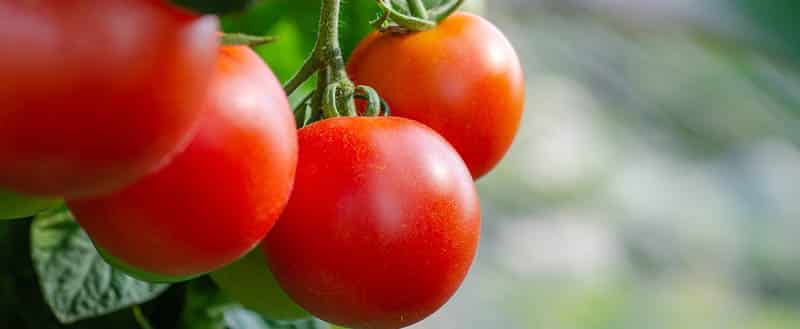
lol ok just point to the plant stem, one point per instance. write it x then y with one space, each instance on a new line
326 61
310 66
417 8
140 318
326 46
323 79
328 38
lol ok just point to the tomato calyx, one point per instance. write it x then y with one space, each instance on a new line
407 22
416 18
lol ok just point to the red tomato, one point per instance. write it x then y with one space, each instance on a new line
216 200
463 79
94 93
382 226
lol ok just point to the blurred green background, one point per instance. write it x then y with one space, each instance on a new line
653 182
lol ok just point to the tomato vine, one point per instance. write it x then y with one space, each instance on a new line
334 92
327 62
195 224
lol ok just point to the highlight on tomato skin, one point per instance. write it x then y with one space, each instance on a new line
215 201
393 229
463 79
96 94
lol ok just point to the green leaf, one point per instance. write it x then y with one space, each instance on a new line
208 307
75 281
22 305
241 318
205 305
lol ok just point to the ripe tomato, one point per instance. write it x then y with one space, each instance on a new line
13 205
382 226
250 282
463 79
95 93
216 200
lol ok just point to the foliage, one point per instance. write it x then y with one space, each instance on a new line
76 282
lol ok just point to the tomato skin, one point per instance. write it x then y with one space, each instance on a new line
463 79
13 205
217 199
250 282
95 94
382 226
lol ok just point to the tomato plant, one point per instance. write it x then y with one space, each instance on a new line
95 94
382 225
13 205
177 158
216 200
250 282
461 78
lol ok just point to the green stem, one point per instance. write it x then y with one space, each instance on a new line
310 66
330 53
328 38
417 8
140 318
329 106
326 46
326 61
323 80
347 104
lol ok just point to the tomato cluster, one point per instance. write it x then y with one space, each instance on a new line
180 157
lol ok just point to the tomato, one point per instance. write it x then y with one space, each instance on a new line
462 78
250 282
217 199
13 205
95 94
382 226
